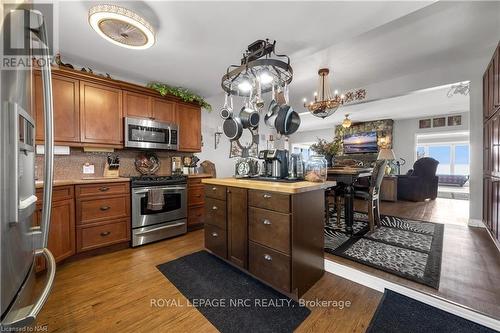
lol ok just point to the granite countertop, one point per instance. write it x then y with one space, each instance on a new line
92 180
289 188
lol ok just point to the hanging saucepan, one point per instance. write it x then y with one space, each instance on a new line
227 110
272 112
232 128
249 117
288 121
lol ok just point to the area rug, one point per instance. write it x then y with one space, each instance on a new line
230 299
407 248
397 313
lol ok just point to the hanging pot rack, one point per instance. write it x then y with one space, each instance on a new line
258 58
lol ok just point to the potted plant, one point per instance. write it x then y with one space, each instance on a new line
329 149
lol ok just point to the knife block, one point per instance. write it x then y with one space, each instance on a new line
111 173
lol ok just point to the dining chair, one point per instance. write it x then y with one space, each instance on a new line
372 194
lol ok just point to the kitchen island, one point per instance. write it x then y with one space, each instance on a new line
271 230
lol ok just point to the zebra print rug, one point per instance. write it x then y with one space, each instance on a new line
407 248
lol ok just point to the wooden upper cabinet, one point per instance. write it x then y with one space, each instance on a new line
491 87
100 114
496 79
66 99
164 110
189 121
136 105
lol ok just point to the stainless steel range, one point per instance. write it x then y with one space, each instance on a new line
168 220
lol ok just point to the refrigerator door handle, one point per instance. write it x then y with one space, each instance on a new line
41 32
14 161
34 310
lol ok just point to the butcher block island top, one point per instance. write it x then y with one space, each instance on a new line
270 230
263 185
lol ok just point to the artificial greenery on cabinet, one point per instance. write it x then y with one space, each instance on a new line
184 94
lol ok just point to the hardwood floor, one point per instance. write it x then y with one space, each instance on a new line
470 268
113 292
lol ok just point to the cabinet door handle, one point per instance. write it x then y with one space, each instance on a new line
198 195
214 234
266 222
214 208
267 196
105 233
103 208
103 189
214 188
268 257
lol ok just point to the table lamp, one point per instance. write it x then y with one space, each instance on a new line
386 154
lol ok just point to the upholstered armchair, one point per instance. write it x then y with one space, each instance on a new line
421 182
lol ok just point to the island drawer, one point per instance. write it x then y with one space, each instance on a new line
215 211
215 191
88 190
215 240
270 266
269 228
269 200
91 210
89 238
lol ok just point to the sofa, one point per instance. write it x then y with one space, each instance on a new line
453 180
421 182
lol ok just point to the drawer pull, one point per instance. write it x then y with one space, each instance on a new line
198 195
103 189
104 208
214 234
268 257
267 196
106 233
214 188
266 222
214 208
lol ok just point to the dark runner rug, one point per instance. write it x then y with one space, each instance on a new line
407 248
397 314
230 299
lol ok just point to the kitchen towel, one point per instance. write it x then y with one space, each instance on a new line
155 199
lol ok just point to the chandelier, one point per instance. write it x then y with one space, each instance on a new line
325 103
346 123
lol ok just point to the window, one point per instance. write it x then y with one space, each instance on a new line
453 157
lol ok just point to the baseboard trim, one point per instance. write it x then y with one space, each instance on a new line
379 284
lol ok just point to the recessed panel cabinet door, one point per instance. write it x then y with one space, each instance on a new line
164 110
136 105
100 114
189 120
237 226
66 101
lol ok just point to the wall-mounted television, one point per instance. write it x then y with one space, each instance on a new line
359 143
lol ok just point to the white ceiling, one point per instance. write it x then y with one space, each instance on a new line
362 42
424 103
196 41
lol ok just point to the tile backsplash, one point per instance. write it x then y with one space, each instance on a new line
70 166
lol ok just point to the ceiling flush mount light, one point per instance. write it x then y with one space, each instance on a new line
325 103
259 71
122 26
346 123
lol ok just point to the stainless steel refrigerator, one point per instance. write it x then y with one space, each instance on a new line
22 295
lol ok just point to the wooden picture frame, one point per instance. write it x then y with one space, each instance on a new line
454 120
439 122
424 123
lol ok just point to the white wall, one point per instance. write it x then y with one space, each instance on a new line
312 136
404 137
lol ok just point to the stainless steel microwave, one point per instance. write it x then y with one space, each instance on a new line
150 134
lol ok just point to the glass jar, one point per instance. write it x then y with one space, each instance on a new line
316 170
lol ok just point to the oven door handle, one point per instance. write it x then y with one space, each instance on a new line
142 191
160 228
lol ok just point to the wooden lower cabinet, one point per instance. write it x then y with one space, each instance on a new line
62 227
196 203
237 226
276 237
102 215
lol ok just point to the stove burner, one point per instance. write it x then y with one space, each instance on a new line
152 180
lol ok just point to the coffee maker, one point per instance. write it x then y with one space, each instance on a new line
274 164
